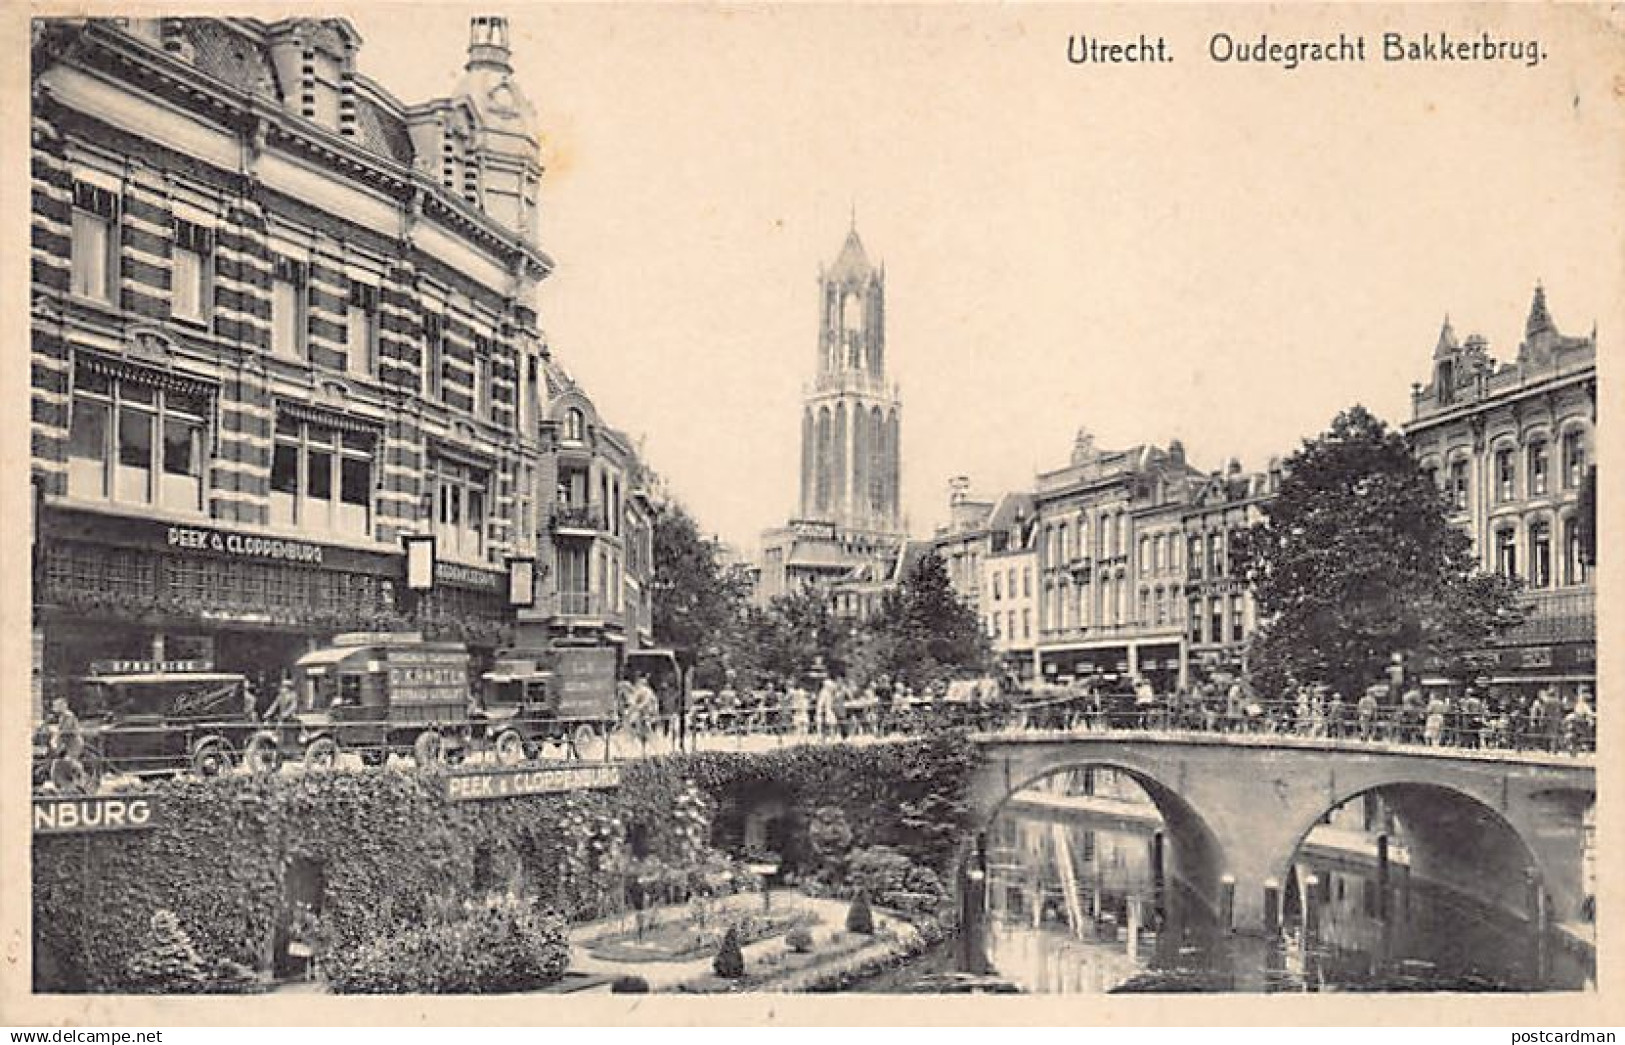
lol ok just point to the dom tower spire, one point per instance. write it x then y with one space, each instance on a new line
850 471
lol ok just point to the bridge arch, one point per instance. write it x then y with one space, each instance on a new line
1453 838
1193 855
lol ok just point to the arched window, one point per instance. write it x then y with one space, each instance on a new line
1574 457
1539 468
575 425
1540 554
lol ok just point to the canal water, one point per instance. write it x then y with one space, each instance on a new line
1077 904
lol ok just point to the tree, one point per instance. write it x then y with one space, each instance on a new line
792 635
698 603
1356 560
167 961
923 630
730 960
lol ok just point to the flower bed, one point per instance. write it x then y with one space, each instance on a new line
683 941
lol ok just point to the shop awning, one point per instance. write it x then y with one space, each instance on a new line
317 662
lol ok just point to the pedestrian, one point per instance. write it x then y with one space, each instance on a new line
799 704
1366 713
1433 729
1335 726
1234 703
286 703
825 711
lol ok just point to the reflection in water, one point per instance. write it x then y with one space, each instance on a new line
1079 901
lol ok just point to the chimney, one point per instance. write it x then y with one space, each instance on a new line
488 43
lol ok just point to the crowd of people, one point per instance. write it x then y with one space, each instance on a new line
1385 712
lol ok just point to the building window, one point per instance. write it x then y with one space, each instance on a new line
1195 618
434 356
321 478
1574 567
1458 484
95 242
1145 606
1156 554
1026 623
1162 609
575 425
1026 582
1506 473
1238 620
1194 557
998 589
482 378
1431 471
1215 554
1538 468
193 263
136 443
1574 458
1145 554
460 494
1105 536
288 309
361 338
1506 552
993 624
1216 623
1540 555
1010 623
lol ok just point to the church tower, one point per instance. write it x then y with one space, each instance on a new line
850 473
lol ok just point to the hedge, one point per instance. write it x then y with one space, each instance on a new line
393 852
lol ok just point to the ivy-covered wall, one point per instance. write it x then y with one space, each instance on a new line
385 848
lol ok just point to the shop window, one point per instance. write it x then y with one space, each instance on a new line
136 443
1574 458
321 478
361 336
192 264
288 283
1538 468
460 509
1540 555
95 242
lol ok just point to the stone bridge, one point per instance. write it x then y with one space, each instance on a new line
1507 827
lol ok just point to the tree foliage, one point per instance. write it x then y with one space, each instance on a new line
1356 560
792 636
699 601
923 631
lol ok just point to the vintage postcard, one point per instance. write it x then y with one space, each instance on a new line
566 513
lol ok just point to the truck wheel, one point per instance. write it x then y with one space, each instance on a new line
321 754
510 747
582 738
263 753
374 756
211 757
429 748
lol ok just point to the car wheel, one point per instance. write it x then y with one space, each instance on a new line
510 747
211 757
429 748
263 754
322 754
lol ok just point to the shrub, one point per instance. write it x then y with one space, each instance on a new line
799 940
167 961
629 985
501 945
893 880
859 919
730 960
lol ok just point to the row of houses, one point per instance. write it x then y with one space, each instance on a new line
284 328
1119 563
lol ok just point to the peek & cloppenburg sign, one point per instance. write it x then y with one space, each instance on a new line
96 813
466 787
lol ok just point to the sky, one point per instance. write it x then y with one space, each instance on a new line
1223 254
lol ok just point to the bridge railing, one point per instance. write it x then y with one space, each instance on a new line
1571 733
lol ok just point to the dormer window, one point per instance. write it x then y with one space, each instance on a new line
575 425
1444 384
